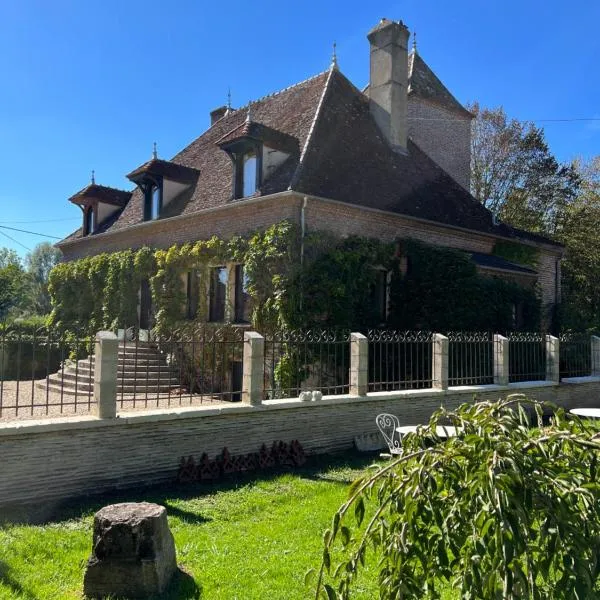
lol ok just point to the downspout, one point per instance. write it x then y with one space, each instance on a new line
302 234
302 228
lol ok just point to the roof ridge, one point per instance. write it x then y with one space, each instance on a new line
297 172
283 90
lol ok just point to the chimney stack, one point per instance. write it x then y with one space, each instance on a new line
388 82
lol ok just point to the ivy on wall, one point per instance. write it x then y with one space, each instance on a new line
515 252
331 285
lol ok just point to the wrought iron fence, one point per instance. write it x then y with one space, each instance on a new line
575 355
44 372
526 356
308 360
187 366
470 358
400 360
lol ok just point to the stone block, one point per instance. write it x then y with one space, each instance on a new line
133 552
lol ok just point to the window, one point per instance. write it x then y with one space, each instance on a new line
249 174
379 295
191 292
89 221
243 306
152 202
218 294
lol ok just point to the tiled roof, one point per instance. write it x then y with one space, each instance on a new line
496 262
101 193
341 155
166 169
424 83
258 131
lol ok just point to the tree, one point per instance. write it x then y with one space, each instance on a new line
514 174
504 510
579 231
13 283
39 262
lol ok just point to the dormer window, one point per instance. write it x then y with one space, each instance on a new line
89 220
256 151
152 201
249 174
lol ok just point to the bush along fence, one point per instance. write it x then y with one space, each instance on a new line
44 374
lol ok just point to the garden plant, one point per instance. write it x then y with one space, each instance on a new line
509 508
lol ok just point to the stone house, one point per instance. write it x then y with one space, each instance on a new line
389 161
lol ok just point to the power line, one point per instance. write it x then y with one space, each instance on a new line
30 232
12 239
44 221
573 120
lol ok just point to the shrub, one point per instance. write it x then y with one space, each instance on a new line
504 510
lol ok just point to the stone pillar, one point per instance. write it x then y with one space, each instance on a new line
595 356
359 364
439 362
105 374
552 359
501 364
253 385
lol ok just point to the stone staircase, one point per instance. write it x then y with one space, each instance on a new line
142 369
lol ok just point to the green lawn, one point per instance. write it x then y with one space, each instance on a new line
246 538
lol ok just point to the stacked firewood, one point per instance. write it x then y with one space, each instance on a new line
279 455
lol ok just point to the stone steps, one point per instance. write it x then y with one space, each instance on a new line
141 369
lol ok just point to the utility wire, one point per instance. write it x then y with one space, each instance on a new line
45 221
12 239
590 119
30 232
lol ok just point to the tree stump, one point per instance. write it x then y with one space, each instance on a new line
133 552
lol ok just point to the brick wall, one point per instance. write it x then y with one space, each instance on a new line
46 462
443 135
321 215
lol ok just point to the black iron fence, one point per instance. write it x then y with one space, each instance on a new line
188 366
400 360
575 355
470 358
44 372
526 356
307 360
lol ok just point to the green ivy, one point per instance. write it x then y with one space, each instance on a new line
515 252
331 285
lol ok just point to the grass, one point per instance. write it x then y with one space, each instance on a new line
243 539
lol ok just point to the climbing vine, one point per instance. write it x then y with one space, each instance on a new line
515 252
332 282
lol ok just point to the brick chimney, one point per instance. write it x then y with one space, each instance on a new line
388 82
217 114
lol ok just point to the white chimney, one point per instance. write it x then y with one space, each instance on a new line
388 83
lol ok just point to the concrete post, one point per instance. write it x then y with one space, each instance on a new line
439 362
552 359
359 364
501 364
595 356
253 385
105 374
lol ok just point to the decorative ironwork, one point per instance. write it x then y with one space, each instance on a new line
388 425
307 360
575 352
391 335
400 360
526 356
44 372
470 358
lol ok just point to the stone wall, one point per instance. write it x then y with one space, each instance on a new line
47 462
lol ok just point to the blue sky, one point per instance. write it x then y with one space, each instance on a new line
91 85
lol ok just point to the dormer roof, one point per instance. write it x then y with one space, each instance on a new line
100 193
257 131
165 169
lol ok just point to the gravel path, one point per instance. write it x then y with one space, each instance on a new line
21 400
